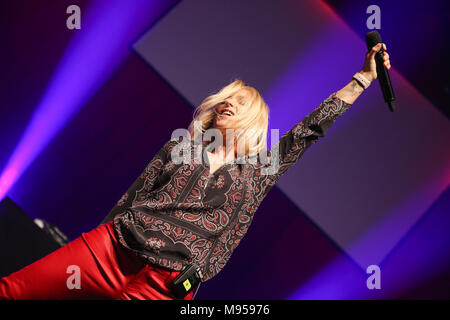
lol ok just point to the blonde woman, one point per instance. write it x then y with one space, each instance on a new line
180 221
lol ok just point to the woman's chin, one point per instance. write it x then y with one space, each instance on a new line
221 124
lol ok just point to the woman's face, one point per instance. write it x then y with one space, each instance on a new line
232 106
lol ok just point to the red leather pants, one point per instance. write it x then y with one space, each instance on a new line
93 266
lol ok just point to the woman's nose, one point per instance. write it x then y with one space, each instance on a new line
230 104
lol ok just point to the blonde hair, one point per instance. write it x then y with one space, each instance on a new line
251 127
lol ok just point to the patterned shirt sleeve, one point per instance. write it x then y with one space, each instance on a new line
144 183
293 144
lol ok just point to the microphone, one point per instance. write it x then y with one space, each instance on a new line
372 39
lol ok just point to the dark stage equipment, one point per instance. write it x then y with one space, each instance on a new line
22 241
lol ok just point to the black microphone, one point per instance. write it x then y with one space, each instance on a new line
372 39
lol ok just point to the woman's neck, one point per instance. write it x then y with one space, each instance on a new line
222 154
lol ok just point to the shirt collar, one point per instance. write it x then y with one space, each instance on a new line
208 147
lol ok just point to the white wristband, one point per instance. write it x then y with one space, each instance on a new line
361 80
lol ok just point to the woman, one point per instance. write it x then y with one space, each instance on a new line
188 212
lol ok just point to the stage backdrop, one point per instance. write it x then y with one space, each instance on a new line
84 111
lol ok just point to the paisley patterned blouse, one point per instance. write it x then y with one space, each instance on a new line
176 214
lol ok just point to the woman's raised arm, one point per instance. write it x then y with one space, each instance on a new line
369 70
295 142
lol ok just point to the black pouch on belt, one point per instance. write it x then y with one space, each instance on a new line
186 281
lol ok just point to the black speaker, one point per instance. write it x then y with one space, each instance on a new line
22 241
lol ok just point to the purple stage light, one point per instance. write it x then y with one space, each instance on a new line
97 49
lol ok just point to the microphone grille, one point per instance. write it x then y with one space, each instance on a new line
372 38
